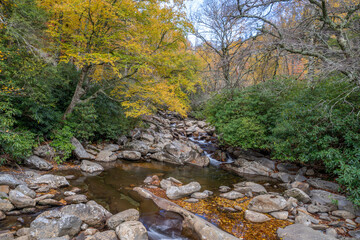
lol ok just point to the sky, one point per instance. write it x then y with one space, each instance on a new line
191 6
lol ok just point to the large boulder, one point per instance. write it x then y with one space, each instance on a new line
80 151
90 213
242 167
90 167
298 194
322 184
106 156
130 155
301 232
256 217
20 200
53 224
138 146
267 203
166 157
334 201
175 192
52 180
38 163
131 230
127 215
112 147
200 161
10 180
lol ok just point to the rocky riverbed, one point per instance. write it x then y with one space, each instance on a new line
245 196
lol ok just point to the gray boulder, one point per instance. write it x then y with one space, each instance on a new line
174 192
301 232
256 217
130 155
131 230
267 203
38 163
138 146
78 198
332 200
343 214
254 187
106 156
322 184
112 147
54 225
282 215
25 190
298 194
20 200
10 180
80 151
6 205
232 195
127 215
90 167
52 180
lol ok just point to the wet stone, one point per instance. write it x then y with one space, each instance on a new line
232 195
191 200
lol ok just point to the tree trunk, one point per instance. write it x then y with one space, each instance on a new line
79 92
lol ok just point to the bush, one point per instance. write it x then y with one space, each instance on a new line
317 125
61 142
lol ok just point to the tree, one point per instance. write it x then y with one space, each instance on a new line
324 31
223 35
121 48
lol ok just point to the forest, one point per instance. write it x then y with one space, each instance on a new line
277 76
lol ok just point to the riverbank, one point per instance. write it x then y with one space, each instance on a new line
252 196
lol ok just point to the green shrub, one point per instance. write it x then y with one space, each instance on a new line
61 142
318 124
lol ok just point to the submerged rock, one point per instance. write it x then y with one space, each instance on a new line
232 195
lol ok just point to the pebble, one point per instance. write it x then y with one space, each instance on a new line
191 200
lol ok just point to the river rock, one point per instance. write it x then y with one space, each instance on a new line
199 195
4 189
10 180
256 217
130 155
298 194
301 232
175 192
2 215
90 167
78 198
343 214
254 187
44 151
106 156
242 167
6 236
53 224
50 202
90 213
80 151
267 203
224 189
321 208
232 195
6 205
38 163
122 140
305 187
200 161
52 180
138 146
131 230
25 190
282 215
322 184
165 157
107 235
20 200
127 215
23 232
332 200
287 167
112 147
